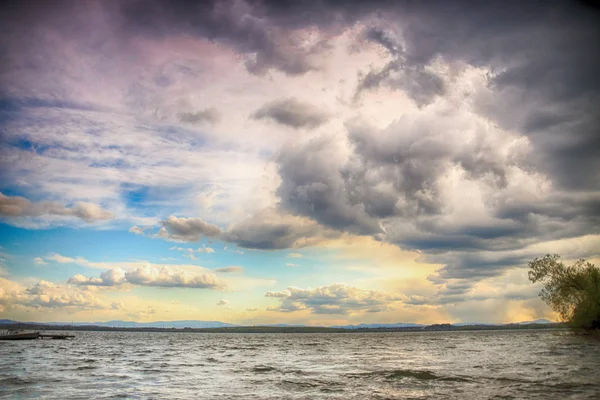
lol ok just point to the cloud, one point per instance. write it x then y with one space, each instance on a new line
292 265
187 229
39 261
231 269
251 309
136 230
208 115
497 152
294 255
332 299
265 230
166 277
408 184
419 83
16 206
241 26
47 295
111 277
190 252
269 230
293 113
223 302
117 305
65 260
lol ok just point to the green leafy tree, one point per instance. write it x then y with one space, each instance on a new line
572 291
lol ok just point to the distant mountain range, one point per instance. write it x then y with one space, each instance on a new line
537 321
132 324
371 326
195 324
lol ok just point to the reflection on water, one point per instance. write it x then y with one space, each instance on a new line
473 365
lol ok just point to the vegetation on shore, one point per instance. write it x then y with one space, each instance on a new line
572 291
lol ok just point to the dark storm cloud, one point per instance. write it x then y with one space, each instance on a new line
420 85
392 172
244 26
292 112
315 184
269 230
543 84
475 266
542 56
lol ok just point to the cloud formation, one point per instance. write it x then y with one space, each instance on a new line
332 299
466 131
165 277
419 83
270 230
17 206
230 269
293 113
47 295
208 115
187 229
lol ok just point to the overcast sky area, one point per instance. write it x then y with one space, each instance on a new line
294 162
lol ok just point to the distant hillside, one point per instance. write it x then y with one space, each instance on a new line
537 321
195 324
375 326
164 324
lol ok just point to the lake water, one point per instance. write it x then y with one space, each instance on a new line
461 365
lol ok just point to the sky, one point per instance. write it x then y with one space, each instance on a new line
316 162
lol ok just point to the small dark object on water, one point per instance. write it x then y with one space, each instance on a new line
19 335
24 335
56 337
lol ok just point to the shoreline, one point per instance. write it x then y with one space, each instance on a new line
290 329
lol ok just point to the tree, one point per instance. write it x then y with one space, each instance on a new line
573 291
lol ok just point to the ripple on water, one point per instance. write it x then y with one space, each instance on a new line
263 369
357 365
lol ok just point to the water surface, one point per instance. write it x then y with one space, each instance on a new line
461 365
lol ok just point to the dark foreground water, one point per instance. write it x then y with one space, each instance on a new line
462 365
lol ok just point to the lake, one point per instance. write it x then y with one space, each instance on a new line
463 365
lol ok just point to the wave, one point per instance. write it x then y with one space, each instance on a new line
421 375
263 368
85 367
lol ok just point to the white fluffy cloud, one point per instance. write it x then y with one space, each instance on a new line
137 230
44 294
151 276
